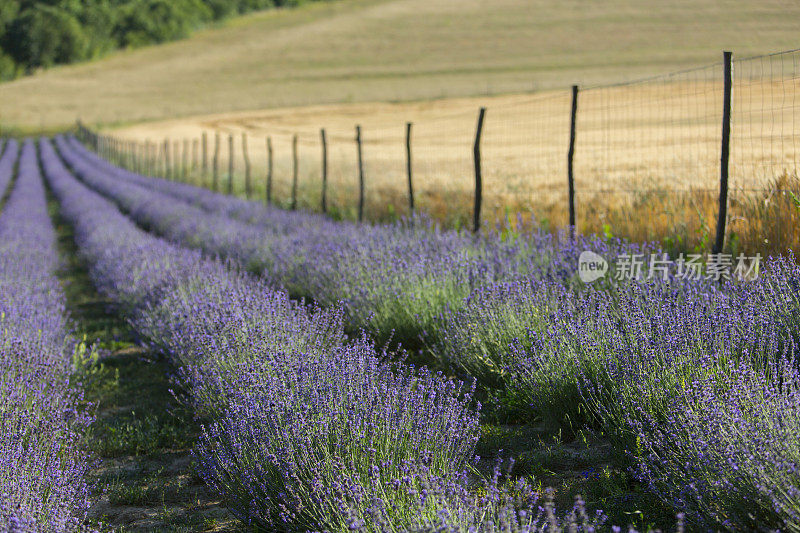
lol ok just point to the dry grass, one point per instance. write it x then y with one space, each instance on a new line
398 50
646 164
647 154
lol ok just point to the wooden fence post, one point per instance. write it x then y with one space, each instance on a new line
205 157
295 171
149 162
409 170
725 152
185 154
167 160
570 159
246 166
157 163
269 171
230 163
476 153
324 170
215 170
360 175
195 156
137 157
176 161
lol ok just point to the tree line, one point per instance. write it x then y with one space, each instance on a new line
43 33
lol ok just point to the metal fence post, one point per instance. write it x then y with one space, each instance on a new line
269 170
246 166
725 152
360 175
409 169
324 140
230 163
295 171
570 160
215 163
476 154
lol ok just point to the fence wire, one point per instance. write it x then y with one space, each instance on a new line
646 164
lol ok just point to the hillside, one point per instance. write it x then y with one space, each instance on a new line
391 50
42 33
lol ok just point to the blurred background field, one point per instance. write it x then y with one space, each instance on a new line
647 153
397 50
647 158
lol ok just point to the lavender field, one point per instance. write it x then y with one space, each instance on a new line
324 375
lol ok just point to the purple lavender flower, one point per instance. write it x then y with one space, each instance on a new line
42 466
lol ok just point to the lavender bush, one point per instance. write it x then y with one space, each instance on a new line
640 360
728 451
42 465
299 411
396 280
393 279
293 443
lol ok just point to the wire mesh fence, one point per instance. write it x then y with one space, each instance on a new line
646 159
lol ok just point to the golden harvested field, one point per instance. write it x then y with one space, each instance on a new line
647 159
640 147
398 50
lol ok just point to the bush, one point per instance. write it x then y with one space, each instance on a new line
37 34
157 21
44 36
8 68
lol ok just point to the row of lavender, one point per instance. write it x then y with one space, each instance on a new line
392 280
42 466
304 429
643 360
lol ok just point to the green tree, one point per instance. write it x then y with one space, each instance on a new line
41 33
44 35
8 67
99 19
156 21
8 12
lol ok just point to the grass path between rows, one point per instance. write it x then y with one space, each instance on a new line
143 435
